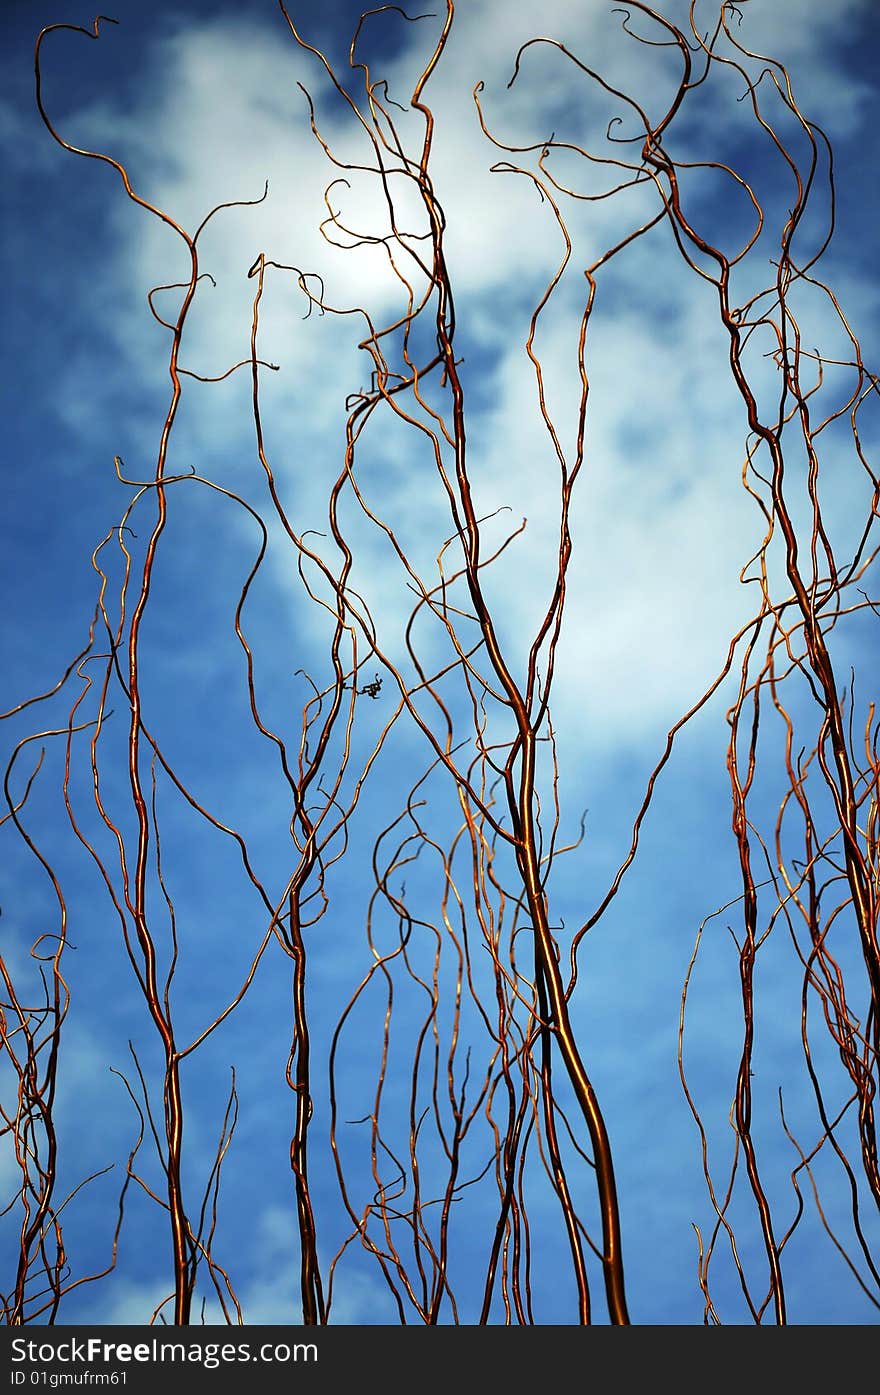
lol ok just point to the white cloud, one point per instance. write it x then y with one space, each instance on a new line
661 522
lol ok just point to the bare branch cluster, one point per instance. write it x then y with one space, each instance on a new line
481 1087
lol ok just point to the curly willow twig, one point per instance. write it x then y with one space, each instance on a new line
481 1086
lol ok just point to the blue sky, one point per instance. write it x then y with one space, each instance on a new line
201 103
